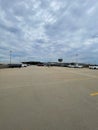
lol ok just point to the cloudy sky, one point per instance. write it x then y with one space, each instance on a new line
45 30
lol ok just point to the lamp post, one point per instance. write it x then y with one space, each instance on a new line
76 58
10 56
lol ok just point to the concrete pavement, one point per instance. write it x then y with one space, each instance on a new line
54 98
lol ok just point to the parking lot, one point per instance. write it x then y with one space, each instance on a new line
48 98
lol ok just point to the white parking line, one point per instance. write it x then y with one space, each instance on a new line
83 74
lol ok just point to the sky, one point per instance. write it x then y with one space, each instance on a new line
45 30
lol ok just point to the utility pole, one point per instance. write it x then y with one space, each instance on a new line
76 58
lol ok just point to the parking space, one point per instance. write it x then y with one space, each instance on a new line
48 98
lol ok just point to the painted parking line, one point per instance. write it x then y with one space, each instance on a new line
77 79
94 94
83 74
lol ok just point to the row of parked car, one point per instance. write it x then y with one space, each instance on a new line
49 64
17 65
81 66
70 65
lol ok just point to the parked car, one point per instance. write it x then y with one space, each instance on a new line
24 65
75 66
93 67
40 64
14 65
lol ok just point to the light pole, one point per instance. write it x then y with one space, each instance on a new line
77 58
10 56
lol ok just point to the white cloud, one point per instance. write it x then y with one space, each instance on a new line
56 5
48 29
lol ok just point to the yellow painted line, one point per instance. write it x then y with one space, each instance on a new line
94 94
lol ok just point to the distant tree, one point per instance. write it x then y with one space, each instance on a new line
60 60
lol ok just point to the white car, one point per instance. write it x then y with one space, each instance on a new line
24 65
71 66
93 67
75 66
79 66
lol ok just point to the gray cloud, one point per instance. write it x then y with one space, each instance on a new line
44 29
